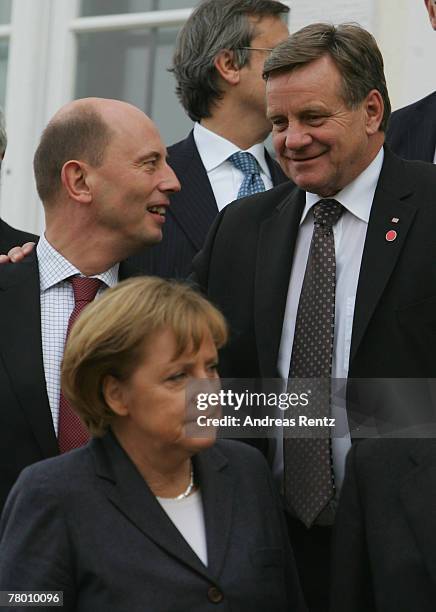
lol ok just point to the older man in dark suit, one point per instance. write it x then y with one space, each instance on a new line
102 176
412 129
334 278
218 65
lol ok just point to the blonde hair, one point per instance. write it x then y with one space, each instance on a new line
110 336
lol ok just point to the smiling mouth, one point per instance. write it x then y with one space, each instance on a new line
305 159
157 210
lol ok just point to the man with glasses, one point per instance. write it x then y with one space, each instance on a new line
218 64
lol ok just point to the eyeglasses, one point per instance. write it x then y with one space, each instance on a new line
253 49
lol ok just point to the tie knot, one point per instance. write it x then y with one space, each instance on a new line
327 212
85 289
245 162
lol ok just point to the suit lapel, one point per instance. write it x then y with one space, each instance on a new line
126 489
218 495
275 251
21 348
417 497
194 207
391 200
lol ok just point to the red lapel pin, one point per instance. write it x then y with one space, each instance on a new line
391 235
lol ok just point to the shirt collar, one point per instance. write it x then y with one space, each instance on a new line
215 150
54 268
356 197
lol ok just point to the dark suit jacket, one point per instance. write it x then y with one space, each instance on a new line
412 130
190 214
11 237
385 533
86 523
26 428
246 263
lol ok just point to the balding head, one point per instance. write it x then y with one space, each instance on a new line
80 130
102 175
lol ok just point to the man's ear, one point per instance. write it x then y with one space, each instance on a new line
431 9
113 393
374 107
74 180
226 67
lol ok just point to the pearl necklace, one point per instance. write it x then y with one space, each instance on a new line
188 489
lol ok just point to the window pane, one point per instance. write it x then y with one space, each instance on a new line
5 11
132 66
4 47
167 5
113 7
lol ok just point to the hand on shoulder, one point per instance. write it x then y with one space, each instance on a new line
17 253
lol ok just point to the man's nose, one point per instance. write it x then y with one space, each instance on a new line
297 137
170 181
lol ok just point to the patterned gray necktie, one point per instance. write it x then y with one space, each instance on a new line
247 163
308 480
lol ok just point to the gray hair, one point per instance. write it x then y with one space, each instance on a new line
354 52
3 135
213 26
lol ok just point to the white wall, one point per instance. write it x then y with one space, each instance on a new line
408 44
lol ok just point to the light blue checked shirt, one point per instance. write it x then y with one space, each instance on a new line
57 303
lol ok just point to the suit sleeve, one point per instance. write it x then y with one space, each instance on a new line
351 576
34 547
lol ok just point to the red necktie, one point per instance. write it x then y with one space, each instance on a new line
72 432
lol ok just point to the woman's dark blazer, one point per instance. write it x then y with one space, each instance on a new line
85 523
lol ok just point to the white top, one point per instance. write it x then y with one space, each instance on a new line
224 178
57 304
349 233
188 516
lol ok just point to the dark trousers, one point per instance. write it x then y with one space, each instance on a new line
312 555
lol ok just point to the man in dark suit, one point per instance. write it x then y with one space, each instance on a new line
385 534
102 176
328 102
412 130
218 65
9 236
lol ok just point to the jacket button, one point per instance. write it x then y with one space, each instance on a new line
214 595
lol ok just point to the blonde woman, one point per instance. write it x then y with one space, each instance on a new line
145 518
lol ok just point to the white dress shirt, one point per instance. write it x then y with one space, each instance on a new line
57 304
349 233
224 178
